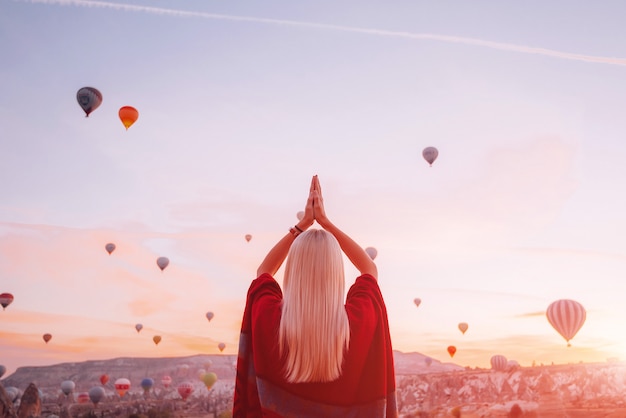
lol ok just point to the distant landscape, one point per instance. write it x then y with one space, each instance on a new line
425 388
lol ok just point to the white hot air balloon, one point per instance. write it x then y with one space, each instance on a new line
372 252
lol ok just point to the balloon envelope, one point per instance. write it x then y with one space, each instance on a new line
147 384
67 386
430 154
104 379
221 346
209 316
163 262
5 299
83 397
89 99
463 327
300 215
47 337
567 317
166 381
156 339
428 361
122 385
128 115
185 389
209 379
451 350
96 393
499 362
417 301
372 252
110 247
138 327
248 237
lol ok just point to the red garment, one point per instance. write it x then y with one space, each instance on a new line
366 387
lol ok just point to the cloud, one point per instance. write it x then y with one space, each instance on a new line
321 26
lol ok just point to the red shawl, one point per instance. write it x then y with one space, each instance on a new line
366 388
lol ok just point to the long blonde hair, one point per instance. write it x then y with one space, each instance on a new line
314 329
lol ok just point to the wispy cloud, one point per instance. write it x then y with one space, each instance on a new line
322 26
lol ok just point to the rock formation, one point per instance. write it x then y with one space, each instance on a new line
30 404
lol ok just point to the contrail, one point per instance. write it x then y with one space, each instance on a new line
407 35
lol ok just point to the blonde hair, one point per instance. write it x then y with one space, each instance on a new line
314 329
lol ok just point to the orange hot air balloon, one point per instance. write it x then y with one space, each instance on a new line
47 337
104 379
221 346
156 339
451 350
248 237
128 115
463 327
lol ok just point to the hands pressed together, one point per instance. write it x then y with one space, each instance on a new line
314 210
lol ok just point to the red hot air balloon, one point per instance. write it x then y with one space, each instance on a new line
567 317
248 237
430 155
128 115
47 337
104 379
185 389
110 247
451 350
83 397
499 363
166 381
5 300
88 99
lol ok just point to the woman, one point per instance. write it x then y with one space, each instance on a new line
303 352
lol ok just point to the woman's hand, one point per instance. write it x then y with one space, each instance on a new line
309 214
318 203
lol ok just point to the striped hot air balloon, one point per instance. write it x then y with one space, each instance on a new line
499 362
567 317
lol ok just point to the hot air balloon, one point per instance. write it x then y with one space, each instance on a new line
166 381
451 350
417 301
185 389
499 362
372 252
163 262
89 99
567 317
248 237
300 215
96 393
3 370
209 316
156 339
428 361
83 397
67 386
5 300
512 365
209 379
138 327
147 384
221 346
110 247
104 379
128 115
430 155
121 386
47 337
463 327
12 392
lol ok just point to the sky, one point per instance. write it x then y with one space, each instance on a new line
241 102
